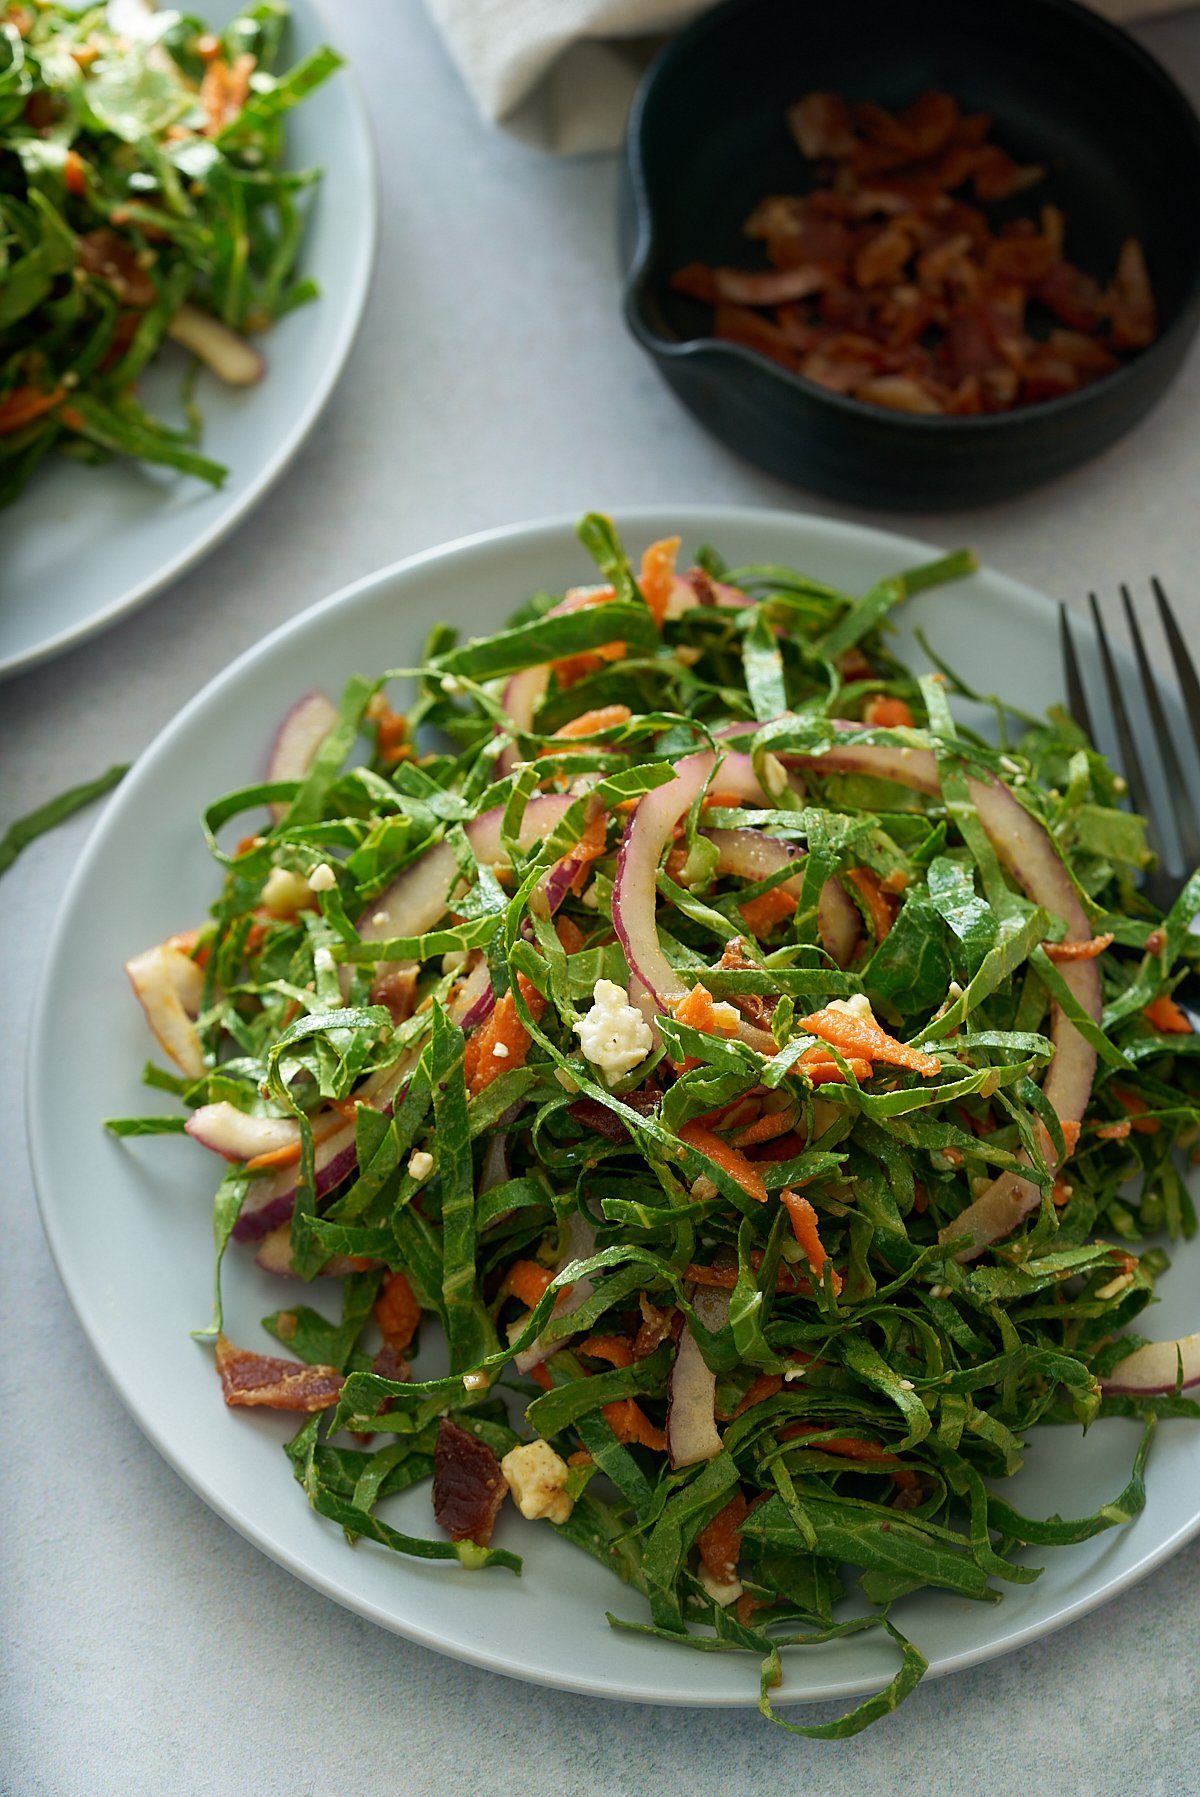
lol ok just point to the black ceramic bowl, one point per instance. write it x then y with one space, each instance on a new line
708 139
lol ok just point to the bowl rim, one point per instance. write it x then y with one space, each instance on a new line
1170 342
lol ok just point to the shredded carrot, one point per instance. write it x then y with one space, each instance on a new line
1165 1015
699 1012
766 1127
289 1154
503 1029
1079 951
397 1312
762 1387
804 1228
745 1607
613 1348
1070 1130
895 882
1135 1104
75 173
786 1278
823 1070
1114 1132
730 1159
527 1281
590 723
720 1541
24 404
185 941
73 418
629 1422
722 801
569 935
589 848
658 576
849 1447
391 737
541 1376
854 1036
763 913
879 905
580 1457
886 713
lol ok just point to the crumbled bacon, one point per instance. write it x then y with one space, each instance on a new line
655 1327
468 1485
255 1380
887 285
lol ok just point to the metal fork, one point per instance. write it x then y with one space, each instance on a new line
1164 884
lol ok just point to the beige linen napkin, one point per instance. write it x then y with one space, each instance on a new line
561 73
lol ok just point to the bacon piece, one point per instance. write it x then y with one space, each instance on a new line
655 1327
738 324
821 125
468 1485
1132 314
254 1380
104 254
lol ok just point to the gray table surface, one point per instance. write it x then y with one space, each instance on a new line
144 1646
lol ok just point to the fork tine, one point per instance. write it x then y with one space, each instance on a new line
1130 760
1185 668
1076 697
1181 798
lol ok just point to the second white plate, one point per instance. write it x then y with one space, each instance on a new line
82 546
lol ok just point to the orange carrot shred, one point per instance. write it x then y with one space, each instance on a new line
766 1128
877 901
1165 1015
503 1029
1135 1104
397 1312
658 576
1114 1132
886 713
763 913
730 1159
590 723
720 1541
613 1348
854 1036
1079 951
629 1422
23 404
527 1281
762 1387
804 1227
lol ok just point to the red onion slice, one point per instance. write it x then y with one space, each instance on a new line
300 735
275 1256
230 357
838 923
1027 849
1152 1371
692 1433
169 987
523 693
421 895
655 984
237 1135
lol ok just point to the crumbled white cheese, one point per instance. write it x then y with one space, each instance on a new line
721 1592
590 897
476 1381
450 684
537 1478
726 1017
907 1385
703 1189
565 1081
614 1036
420 1164
322 878
859 1006
793 1372
323 960
380 919
284 892
1009 765
501 1051
1116 1285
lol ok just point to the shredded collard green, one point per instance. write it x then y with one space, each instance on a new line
141 172
869 1389
24 830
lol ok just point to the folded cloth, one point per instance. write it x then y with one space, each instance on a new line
561 73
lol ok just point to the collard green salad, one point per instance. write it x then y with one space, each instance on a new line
765 1085
143 196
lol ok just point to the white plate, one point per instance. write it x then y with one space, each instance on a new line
84 545
128 1222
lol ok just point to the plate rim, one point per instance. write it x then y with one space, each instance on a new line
362 271
689 517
